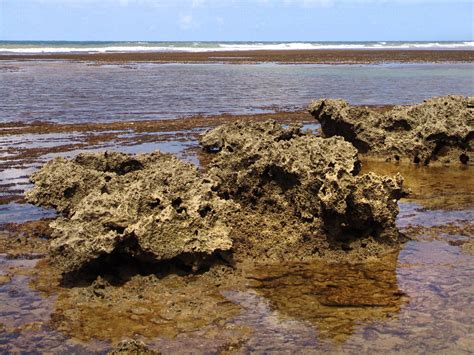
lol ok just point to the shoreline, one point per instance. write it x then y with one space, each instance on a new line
319 56
162 125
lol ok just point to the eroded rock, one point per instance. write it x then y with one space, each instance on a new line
437 131
270 193
302 194
133 347
151 206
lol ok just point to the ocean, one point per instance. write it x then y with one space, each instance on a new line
72 92
35 47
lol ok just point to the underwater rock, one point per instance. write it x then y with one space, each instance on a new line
306 188
150 206
132 347
438 131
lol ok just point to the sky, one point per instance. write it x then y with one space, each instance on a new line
237 20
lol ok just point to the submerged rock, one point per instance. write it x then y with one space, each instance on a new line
133 347
151 206
301 194
439 130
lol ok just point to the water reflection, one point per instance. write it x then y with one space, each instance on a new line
25 314
334 298
432 187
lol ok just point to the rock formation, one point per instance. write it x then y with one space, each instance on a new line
303 192
437 131
270 193
152 206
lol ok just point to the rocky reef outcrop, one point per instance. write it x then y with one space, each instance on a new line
301 195
270 193
437 131
150 206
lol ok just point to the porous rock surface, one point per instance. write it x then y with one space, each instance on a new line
438 131
270 193
152 206
132 347
301 195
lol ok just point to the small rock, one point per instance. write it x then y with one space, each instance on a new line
4 279
132 347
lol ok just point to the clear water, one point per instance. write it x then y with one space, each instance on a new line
79 92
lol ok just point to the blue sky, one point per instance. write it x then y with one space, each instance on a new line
232 20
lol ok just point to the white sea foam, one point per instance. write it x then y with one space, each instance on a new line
84 47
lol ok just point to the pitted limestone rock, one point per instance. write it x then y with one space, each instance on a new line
437 131
312 179
150 205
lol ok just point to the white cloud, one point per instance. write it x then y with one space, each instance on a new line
186 22
197 3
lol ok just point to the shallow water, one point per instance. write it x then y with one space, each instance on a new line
415 301
77 92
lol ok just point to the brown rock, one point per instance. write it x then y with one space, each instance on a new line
271 192
152 206
437 131
306 188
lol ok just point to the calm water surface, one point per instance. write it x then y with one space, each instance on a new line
79 92
418 300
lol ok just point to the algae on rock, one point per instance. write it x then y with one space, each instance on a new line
437 131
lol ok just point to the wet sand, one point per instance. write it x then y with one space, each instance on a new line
289 56
415 300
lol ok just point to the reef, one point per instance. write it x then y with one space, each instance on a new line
152 207
438 131
301 196
269 193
